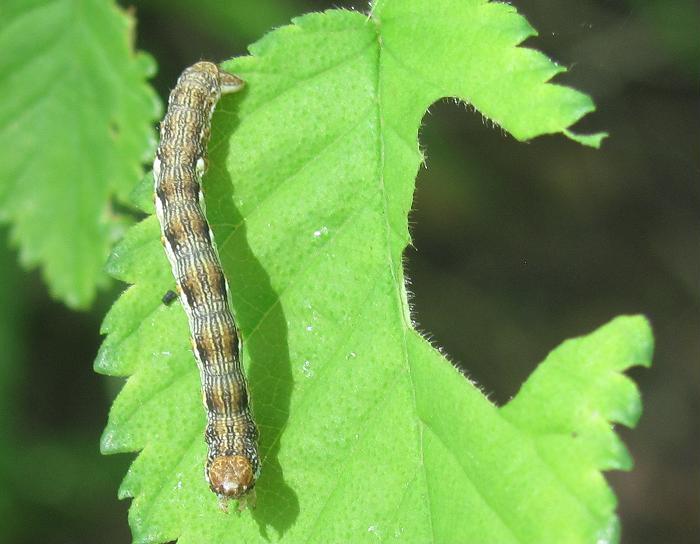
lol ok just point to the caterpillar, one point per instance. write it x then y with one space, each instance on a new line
232 465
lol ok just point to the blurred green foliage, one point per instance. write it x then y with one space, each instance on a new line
75 127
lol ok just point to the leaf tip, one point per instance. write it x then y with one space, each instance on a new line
125 490
106 362
113 265
108 443
589 140
610 533
640 338
619 456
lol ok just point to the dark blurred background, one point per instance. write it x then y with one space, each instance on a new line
516 247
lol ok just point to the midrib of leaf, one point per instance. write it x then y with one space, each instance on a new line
397 273
395 270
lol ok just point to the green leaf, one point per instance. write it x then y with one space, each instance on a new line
75 125
367 432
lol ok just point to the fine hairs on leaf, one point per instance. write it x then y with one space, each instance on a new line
367 433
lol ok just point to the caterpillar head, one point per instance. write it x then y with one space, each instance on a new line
208 71
229 83
231 476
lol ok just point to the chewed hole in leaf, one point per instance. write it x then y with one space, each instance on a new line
472 288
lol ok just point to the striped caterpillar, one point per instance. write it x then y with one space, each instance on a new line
232 466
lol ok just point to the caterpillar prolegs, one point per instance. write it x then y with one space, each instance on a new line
232 466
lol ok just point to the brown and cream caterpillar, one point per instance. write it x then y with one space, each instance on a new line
232 466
